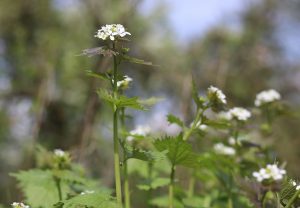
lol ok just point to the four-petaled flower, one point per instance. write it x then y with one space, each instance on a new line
271 172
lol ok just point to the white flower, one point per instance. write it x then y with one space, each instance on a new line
218 93
125 82
19 205
87 192
297 186
238 113
59 153
270 172
139 131
266 96
220 148
111 31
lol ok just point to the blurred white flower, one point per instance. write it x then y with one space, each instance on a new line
266 96
140 130
125 82
111 31
59 153
214 91
220 148
19 205
87 192
270 172
238 113
231 141
297 186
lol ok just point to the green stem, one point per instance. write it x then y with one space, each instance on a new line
188 133
126 186
58 186
192 182
150 170
171 188
115 136
126 178
230 205
264 200
292 200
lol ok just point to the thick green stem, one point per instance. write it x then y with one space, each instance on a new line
115 136
292 200
58 186
171 188
126 186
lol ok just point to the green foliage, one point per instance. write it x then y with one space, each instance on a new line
287 192
122 101
175 120
89 200
136 60
39 187
179 151
163 201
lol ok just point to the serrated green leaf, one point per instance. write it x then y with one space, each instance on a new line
133 102
104 76
106 95
136 60
175 120
179 151
121 101
287 192
145 155
217 124
91 200
150 101
39 187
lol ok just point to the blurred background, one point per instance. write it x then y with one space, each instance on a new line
241 46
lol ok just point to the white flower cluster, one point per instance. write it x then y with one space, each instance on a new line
297 186
59 153
19 205
87 192
125 82
270 172
222 149
266 96
238 113
139 131
218 93
111 31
